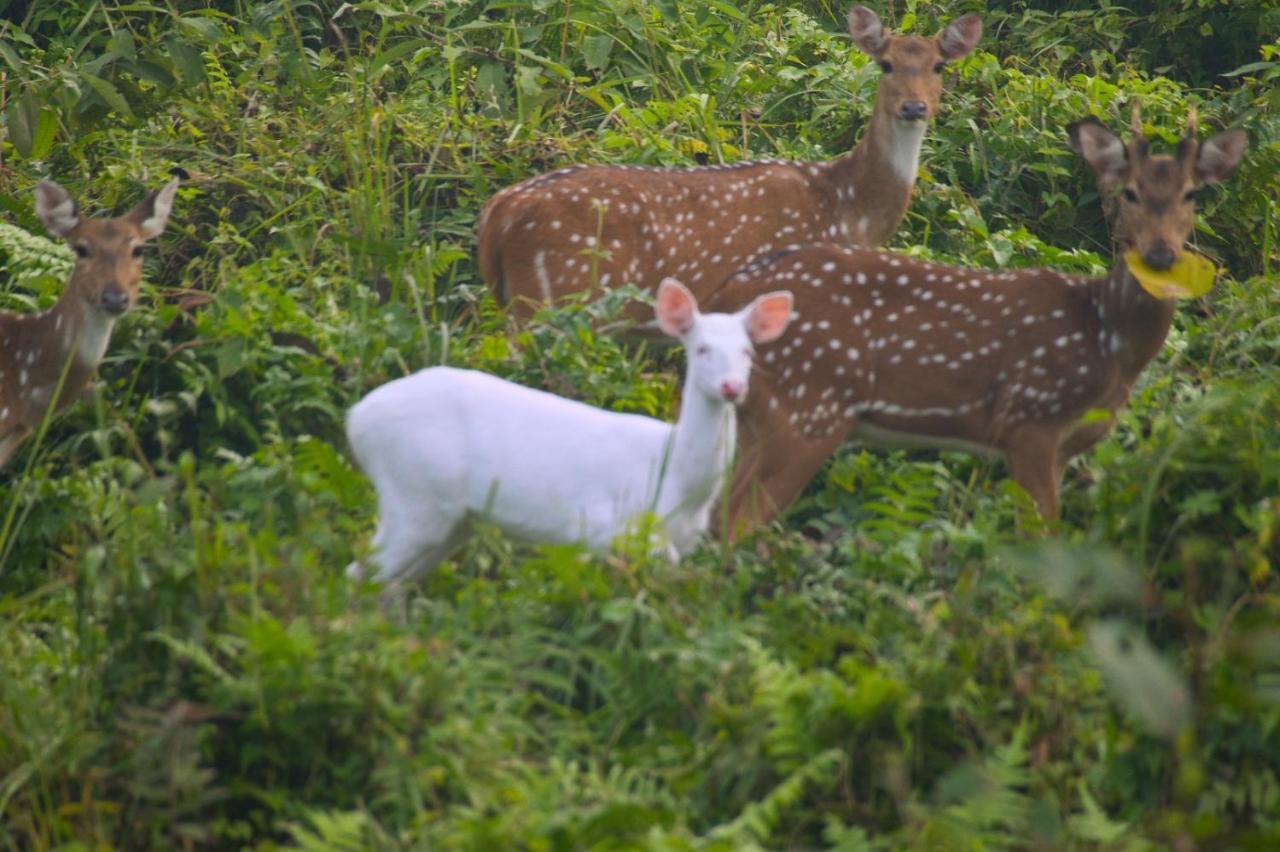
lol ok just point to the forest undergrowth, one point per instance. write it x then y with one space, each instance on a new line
891 665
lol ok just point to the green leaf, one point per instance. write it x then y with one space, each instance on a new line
122 45
596 50
11 57
108 93
395 53
205 28
46 133
1250 68
20 122
186 59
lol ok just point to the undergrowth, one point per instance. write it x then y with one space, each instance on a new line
892 665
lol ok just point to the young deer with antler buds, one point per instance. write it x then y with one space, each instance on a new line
72 336
899 352
569 230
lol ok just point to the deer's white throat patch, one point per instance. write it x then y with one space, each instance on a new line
904 149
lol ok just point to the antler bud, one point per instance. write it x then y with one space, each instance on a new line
1138 144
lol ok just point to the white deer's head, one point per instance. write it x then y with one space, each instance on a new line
720 347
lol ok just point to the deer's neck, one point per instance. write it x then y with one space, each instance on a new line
873 182
39 347
1132 324
702 446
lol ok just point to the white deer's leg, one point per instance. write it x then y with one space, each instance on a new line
407 546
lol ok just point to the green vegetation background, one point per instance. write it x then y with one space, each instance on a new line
892 666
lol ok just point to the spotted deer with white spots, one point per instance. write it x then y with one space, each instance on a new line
36 350
898 352
590 226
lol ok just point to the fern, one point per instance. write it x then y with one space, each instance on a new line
759 819
989 806
28 257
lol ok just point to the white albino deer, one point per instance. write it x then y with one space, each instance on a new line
569 230
35 349
895 351
444 446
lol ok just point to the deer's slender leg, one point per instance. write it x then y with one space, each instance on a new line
1032 455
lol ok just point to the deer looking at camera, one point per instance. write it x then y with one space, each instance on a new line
894 351
582 226
446 446
66 343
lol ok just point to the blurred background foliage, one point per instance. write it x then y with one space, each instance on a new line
892 666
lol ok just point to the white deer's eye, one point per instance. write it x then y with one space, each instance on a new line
703 349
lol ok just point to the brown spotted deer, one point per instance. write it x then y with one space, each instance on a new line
899 352
71 337
598 225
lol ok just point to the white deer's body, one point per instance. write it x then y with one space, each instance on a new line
445 446
541 467
585 226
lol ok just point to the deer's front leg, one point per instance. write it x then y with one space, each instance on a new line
1032 456
775 463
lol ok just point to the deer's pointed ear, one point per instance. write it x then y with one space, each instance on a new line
56 208
1219 156
959 37
866 30
1100 148
152 213
676 308
767 317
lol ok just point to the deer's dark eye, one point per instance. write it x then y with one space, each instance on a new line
137 251
1190 195
886 67
940 67
1130 195
703 349
82 251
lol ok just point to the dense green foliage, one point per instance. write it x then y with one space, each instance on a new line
891 666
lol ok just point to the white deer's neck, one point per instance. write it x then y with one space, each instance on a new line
702 446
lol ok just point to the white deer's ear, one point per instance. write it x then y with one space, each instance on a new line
1220 155
1100 148
959 37
56 208
676 308
767 317
866 30
152 213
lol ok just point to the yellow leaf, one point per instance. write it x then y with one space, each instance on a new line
1189 277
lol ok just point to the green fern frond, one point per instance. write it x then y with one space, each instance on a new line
28 257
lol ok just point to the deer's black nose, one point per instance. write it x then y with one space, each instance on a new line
1159 256
913 110
115 301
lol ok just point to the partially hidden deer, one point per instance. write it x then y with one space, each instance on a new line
898 352
446 446
591 226
70 338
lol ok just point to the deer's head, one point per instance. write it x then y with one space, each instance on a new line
720 347
911 66
108 251
1149 197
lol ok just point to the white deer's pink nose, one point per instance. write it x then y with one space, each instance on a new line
732 389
